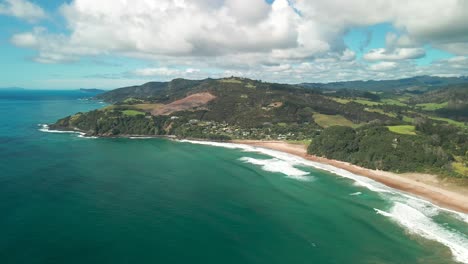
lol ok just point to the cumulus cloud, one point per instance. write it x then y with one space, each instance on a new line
460 48
383 66
180 28
291 39
165 71
22 9
394 55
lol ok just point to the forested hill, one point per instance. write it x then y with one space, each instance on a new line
413 84
399 131
151 90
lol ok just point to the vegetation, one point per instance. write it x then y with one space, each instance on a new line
450 121
432 106
414 85
332 120
376 147
132 113
403 128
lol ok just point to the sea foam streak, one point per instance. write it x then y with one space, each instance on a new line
298 161
417 222
408 211
45 128
277 165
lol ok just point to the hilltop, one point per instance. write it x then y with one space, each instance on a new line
393 130
417 84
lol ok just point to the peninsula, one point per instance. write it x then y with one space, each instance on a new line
399 130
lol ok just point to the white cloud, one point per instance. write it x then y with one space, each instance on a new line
394 55
165 72
296 39
22 9
27 40
285 30
149 29
423 21
383 66
460 48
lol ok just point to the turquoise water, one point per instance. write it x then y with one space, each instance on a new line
68 199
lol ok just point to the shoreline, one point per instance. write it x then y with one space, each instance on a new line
425 186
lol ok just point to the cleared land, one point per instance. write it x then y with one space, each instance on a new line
403 129
432 106
332 120
188 103
450 121
132 113
393 102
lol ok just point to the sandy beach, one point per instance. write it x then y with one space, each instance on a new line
442 192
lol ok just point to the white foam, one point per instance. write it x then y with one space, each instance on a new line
380 212
281 166
90 137
298 161
356 193
417 222
411 212
428 207
45 128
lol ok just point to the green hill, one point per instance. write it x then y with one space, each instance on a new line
239 108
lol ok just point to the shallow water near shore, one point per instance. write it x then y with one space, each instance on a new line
68 199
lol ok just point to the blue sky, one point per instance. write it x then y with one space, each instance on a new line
66 45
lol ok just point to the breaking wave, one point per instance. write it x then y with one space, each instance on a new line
45 128
417 222
281 166
412 213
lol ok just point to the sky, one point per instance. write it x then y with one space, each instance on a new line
56 44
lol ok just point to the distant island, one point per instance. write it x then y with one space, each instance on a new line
393 129
92 90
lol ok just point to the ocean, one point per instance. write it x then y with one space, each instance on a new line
65 198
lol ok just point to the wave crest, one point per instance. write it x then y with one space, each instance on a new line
413 213
281 166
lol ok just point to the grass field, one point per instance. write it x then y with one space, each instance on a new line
432 106
393 102
450 121
332 120
132 113
408 119
403 129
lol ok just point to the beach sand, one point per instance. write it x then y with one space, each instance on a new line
442 192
